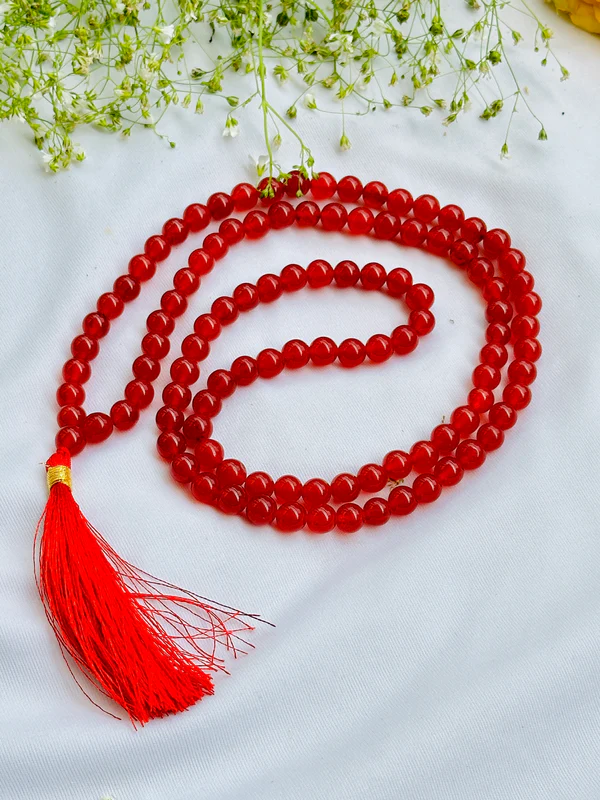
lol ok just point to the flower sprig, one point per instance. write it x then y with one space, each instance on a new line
121 64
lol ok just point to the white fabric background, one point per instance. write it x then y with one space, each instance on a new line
453 654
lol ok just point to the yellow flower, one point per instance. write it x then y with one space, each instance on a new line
583 13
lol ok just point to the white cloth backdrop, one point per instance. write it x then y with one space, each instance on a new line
454 654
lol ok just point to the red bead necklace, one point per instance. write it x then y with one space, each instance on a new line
198 461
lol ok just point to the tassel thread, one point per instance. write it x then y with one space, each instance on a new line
146 644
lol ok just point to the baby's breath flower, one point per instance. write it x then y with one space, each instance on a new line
310 101
345 142
231 127
166 33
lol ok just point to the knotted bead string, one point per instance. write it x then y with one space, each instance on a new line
474 429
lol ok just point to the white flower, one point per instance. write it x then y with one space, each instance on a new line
67 98
47 158
231 128
52 23
276 144
166 33
5 8
145 74
341 41
309 101
120 8
376 28
345 142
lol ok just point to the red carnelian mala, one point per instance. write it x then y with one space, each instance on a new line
140 639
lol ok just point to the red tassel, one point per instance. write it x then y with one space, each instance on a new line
137 638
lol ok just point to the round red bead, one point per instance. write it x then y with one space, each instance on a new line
426 488
261 510
372 478
402 501
345 487
124 415
209 454
351 353
397 465
448 472
97 427
376 511
470 454
349 518
320 519
288 489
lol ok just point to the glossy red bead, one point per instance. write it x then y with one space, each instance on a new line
502 416
244 196
323 187
161 323
345 487
201 262
70 416
232 231
207 326
376 511
269 288
124 415
183 468
404 340
529 304
173 303
470 454
206 403
419 296
127 288
196 428
175 231
397 465
293 278
480 400
97 427
323 351
499 311
521 371
485 376
494 354
480 271
360 221
316 492
422 322
473 230
184 371
462 253
139 393
157 248
209 454
372 276
196 216
498 333
231 500
464 420
308 214
169 419
204 488
296 354
402 501
516 395
220 205
346 274
399 202
320 519
85 348
216 246
70 394
319 273
527 349
448 472
386 225
349 518
297 184
375 194
521 283
141 268
170 444
525 327
426 208
351 353
490 437
512 261
72 439
426 488
372 478
177 396
398 281
413 232
95 325
244 370
439 241
259 483
451 217
221 383
270 190
230 472
290 517
186 282
145 368
281 215
195 348
155 346
225 310
269 363
288 489
76 371
333 217
349 189
495 289
445 438
423 456
379 348
496 242
261 510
